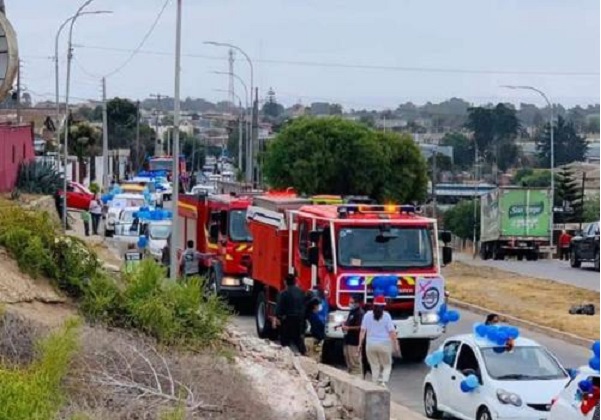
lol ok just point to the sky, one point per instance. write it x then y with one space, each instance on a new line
362 54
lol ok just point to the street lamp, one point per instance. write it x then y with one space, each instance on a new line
249 167
248 136
176 119
552 165
56 64
65 146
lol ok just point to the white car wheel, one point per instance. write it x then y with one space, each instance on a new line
431 403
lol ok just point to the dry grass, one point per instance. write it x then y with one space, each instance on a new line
543 302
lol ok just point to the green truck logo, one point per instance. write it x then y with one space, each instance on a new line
533 210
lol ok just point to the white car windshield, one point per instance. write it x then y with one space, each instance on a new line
371 247
521 364
120 203
159 231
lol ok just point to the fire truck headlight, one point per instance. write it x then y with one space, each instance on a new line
230 282
430 318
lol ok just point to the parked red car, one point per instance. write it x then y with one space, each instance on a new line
78 196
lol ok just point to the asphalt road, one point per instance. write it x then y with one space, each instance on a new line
407 379
559 271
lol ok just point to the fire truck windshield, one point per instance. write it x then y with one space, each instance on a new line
394 248
238 229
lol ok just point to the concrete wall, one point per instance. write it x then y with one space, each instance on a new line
16 146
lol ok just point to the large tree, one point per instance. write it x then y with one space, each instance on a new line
463 149
460 220
495 130
332 155
569 146
568 196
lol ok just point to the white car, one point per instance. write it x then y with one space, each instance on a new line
127 228
138 187
157 233
116 205
518 384
566 406
162 185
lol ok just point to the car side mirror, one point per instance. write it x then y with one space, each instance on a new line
447 255
313 255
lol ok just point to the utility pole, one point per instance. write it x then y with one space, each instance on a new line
582 192
158 145
475 215
255 140
105 139
175 233
138 160
434 182
231 92
240 136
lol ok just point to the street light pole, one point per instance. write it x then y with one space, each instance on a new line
56 63
176 118
66 141
239 125
552 152
250 146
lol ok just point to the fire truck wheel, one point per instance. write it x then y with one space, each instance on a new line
414 350
264 329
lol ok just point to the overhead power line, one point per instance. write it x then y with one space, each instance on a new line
324 64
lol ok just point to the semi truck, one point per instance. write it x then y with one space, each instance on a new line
514 221
348 249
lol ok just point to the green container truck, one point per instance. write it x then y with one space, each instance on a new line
514 222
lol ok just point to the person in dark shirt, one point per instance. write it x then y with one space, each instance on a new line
352 329
290 311
314 343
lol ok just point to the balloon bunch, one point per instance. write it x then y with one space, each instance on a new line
386 286
587 393
153 214
447 316
501 335
434 359
107 198
469 384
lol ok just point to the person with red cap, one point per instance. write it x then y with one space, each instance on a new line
379 335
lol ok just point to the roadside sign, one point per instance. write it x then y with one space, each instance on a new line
429 294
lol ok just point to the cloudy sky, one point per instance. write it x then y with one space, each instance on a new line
363 54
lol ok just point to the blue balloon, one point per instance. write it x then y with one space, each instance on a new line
595 348
502 338
585 386
442 310
481 330
453 316
142 242
472 381
465 388
499 350
434 359
392 291
379 292
594 363
573 373
430 361
513 333
492 334
392 281
377 283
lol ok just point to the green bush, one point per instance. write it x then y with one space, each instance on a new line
173 313
31 238
94 188
34 392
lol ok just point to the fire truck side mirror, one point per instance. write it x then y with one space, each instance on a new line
313 255
314 236
447 255
445 236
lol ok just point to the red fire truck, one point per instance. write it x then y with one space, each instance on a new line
342 250
217 225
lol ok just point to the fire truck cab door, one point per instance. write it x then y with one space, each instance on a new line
301 252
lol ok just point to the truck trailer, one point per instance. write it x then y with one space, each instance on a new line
514 222
347 249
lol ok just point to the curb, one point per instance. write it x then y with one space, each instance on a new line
571 338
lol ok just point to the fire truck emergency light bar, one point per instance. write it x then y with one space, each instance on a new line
388 209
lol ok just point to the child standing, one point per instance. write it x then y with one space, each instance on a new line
86 218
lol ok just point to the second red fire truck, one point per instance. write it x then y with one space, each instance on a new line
347 249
